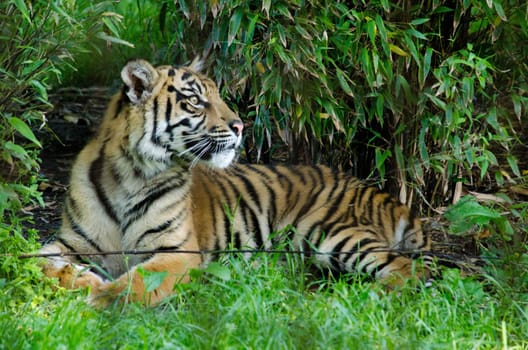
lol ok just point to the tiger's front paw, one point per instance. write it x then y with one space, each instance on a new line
104 295
71 276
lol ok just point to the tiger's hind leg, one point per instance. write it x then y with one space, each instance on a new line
360 249
69 273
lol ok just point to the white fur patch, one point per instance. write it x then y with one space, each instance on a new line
399 231
223 160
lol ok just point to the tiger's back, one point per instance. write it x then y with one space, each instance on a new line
329 212
158 178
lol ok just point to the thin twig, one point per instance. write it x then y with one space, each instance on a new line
235 251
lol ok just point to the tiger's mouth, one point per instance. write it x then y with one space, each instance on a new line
216 152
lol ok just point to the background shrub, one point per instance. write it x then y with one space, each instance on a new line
37 39
427 96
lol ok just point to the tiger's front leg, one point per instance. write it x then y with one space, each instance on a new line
130 286
69 273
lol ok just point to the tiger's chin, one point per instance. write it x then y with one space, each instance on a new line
221 160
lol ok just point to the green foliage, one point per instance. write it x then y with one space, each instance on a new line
467 215
393 90
265 306
36 38
152 279
500 230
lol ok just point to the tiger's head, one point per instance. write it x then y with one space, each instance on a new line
181 116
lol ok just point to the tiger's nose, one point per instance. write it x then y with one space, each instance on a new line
237 126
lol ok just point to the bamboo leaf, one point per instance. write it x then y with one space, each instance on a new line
516 99
162 18
513 165
185 9
422 144
21 6
41 89
500 10
416 33
427 64
419 21
14 150
372 31
251 28
24 130
400 160
266 5
303 32
397 50
113 39
111 26
343 82
234 25
438 102
380 102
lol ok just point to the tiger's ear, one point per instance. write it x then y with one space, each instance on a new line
140 77
197 64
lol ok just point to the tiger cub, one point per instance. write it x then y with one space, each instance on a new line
159 176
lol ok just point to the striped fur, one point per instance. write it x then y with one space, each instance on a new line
158 176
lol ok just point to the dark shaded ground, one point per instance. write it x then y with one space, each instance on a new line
73 121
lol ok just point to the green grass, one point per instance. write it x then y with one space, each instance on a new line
266 304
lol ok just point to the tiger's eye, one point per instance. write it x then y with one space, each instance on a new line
194 100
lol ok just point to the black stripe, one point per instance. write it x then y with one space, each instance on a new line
200 124
220 183
190 86
272 204
168 112
142 206
298 171
386 206
199 88
179 95
154 137
334 260
95 174
119 106
64 243
227 228
185 107
364 197
116 174
185 76
237 244
249 215
185 122
173 247
80 232
390 259
330 211
138 172
360 246
211 209
250 190
180 218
